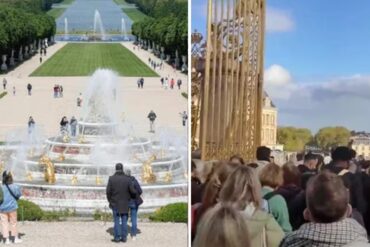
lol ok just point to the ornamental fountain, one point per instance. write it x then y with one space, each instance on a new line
71 172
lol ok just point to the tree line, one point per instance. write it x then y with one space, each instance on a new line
21 23
296 139
167 24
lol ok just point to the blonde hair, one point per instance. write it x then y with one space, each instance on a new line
271 175
241 188
222 226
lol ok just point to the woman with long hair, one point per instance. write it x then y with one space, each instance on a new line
243 190
222 226
214 184
8 208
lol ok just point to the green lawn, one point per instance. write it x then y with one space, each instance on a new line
121 2
59 11
56 12
83 59
134 14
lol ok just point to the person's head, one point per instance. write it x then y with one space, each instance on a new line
310 160
271 175
342 156
215 181
7 177
128 172
237 159
30 118
263 153
327 198
119 167
300 156
222 226
242 188
291 174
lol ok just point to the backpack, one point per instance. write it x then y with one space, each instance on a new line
265 201
1 195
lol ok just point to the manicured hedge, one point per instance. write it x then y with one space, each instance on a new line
176 212
29 210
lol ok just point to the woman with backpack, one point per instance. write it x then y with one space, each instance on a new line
242 190
271 178
134 204
8 208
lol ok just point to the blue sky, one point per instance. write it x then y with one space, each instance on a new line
317 61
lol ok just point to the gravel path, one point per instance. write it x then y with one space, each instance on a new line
73 234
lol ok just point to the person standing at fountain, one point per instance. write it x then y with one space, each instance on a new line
162 81
8 208
172 83
134 204
31 124
152 116
73 124
29 89
4 83
64 126
120 190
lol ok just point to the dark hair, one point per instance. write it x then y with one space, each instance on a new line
353 153
7 178
341 154
237 157
291 174
310 156
327 197
119 167
299 156
263 153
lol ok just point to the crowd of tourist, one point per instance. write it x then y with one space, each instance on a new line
155 65
166 83
313 203
68 127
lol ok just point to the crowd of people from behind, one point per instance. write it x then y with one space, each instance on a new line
299 204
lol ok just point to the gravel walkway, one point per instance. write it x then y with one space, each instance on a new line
93 233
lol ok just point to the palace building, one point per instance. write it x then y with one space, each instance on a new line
269 123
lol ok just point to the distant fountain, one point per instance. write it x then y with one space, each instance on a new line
98 24
65 28
123 29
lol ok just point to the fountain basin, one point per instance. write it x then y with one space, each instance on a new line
87 199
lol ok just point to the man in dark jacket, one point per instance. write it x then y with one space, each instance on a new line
120 190
341 159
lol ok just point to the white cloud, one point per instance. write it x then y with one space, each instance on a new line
336 101
278 20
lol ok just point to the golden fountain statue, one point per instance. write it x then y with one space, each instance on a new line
49 170
98 180
168 177
66 138
74 180
148 175
61 157
81 139
29 176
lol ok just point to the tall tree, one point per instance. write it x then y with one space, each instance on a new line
293 139
330 137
